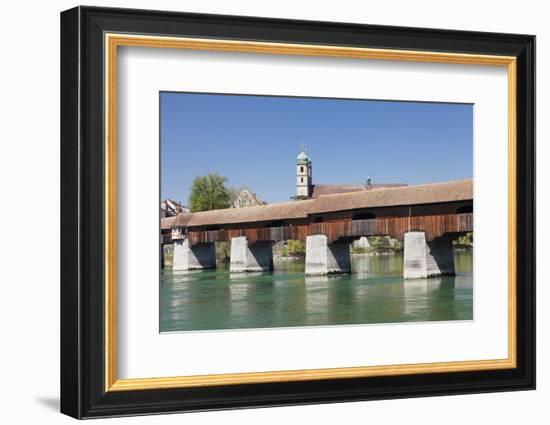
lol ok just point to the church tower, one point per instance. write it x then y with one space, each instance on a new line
303 174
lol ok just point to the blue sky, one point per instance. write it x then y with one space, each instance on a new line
254 140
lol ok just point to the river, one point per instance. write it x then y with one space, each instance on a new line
216 299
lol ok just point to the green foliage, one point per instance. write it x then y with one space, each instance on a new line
465 240
293 248
379 244
361 250
209 193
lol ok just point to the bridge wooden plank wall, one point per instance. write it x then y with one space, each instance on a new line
346 228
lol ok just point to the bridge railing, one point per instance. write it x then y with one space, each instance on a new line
433 225
466 222
343 229
253 234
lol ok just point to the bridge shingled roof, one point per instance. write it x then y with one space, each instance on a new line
179 220
461 190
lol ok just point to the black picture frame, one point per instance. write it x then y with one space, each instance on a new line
83 392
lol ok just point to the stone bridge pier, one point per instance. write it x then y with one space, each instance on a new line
245 257
326 258
197 257
423 259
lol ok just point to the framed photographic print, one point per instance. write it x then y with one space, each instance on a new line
261 212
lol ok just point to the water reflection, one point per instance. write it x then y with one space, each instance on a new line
374 293
377 265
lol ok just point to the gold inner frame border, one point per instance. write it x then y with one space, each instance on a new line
112 41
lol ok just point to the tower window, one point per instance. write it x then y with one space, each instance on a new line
301 168
301 179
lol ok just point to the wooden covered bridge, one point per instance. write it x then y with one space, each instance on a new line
426 217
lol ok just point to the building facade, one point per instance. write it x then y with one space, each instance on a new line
246 198
171 208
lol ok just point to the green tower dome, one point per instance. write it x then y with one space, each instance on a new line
302 157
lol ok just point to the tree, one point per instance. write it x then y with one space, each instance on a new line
209 193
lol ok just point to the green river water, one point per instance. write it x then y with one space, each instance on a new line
216 299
